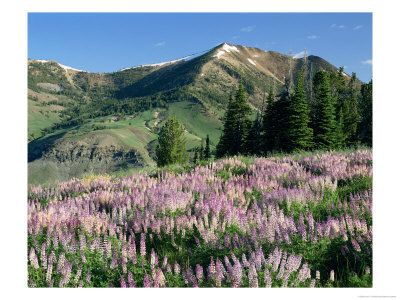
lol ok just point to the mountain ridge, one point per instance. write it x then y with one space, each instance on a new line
67 105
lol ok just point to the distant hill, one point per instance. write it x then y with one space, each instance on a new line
81 122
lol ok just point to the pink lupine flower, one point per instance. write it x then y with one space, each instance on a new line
317 275
78 275
49 272
33 259
332 276
177 268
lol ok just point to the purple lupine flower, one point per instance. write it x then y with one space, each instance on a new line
131 282
211 270
88 277
199 273
253 277
237 274
356 246
312 283
123 283
142 245
169 269
43 256
267 278
244 261
219 273
146 281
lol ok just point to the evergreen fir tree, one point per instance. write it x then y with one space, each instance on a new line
366 114
269 121
242 123
223 146
324 125
195 158
281 110
300 134
207 153
171 144
236 126
201 154
350 113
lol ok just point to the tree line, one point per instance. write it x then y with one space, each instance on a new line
334 114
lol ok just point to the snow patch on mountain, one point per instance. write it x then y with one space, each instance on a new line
228 48
158 64
252 62
218 55
66 68
256 55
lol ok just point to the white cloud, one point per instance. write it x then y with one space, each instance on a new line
159 44
312 37
337 26
367 62
248 28
300 54
358 27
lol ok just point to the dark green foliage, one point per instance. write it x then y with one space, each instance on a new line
171 144
207 152
236 126
269 130
299 132
365 128
201 151
350 113
324 123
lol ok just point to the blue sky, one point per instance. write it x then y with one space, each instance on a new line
106 42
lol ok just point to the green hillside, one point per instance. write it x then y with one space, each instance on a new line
80 122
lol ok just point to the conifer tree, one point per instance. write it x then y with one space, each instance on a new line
300 134
350 113
324 125
171 144
269 122
195 158
236 126
207 153
223 146
201 152
366 114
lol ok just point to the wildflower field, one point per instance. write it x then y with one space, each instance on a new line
285 221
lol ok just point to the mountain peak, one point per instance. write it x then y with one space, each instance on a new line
225 48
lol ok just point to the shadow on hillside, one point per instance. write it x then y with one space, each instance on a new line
37 147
